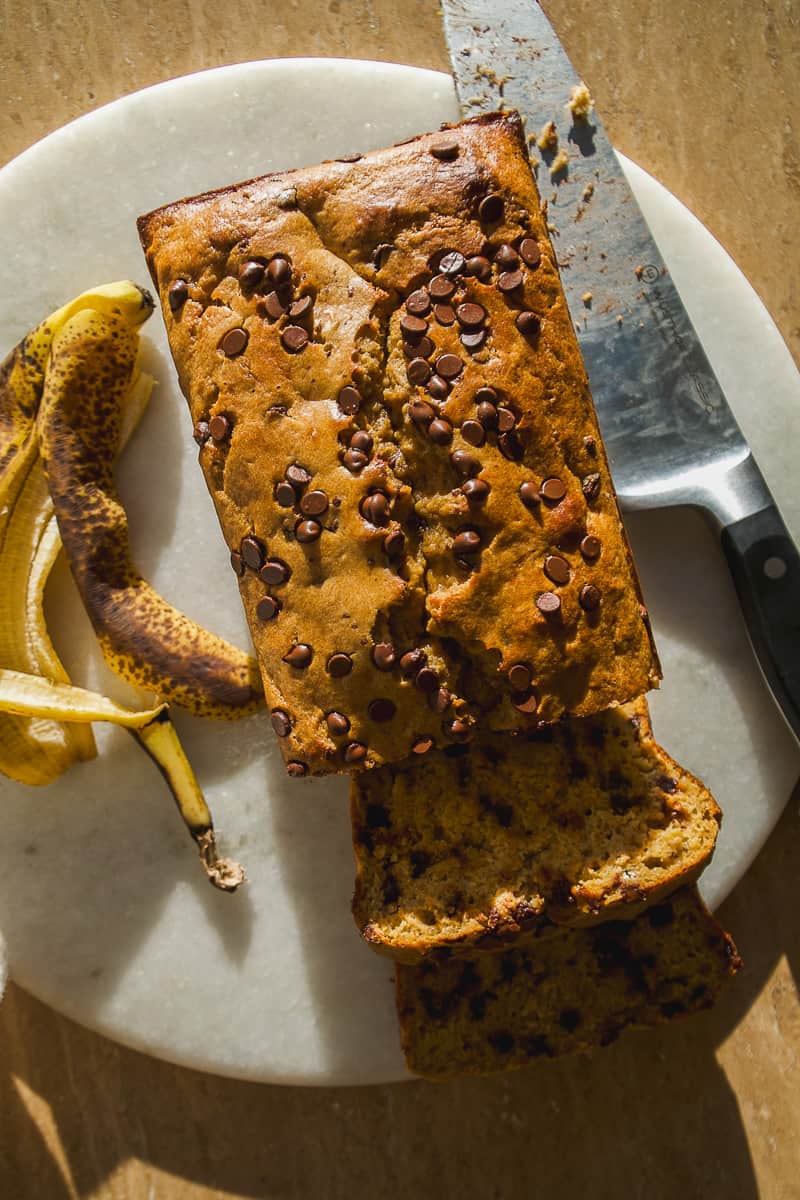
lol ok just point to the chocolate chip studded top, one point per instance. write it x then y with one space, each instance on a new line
374 395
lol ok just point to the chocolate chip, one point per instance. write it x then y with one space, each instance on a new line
590 485
201 433
361 440
438 388
441 288
486 395
457 729
440 700
464 463
529 494
444 313
476 491
474 340
527 322
510 446
383 656
349 399
300 307
299 656
556 569
279 271
479 267
233 342
421 412
413 661
552 489
422 349
449 366
375 508
339 665
381 709
589 597
418 372
473 433
440 431
418 303
285 494
519 676
590 445
307 531
267 608
297 475
296 769
422 745
445 150
177 294
506 419
280 722
394 543
219 427
294 339
355 752
274 305
548 602
506 257
530 252
415 326
470 315
237 562
251 273
491 208
590 547
526 702
354 460
253 552
509 281
427 681
275 571
467 542
487 415
314 504
451 263
337 723
380 255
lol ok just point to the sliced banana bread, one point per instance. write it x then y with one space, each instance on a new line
491 1012
584 821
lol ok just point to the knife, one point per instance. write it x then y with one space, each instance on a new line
670 435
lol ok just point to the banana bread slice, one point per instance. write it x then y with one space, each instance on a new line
492 1012
396 428
581 822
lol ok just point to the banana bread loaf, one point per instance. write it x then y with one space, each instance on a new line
491 1012
581 822
396 429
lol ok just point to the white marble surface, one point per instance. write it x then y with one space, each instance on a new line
103 905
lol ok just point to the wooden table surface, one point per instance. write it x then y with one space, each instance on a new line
703 95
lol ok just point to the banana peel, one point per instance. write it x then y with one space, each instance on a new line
33 696
144 639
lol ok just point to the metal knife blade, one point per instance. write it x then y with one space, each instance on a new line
669 433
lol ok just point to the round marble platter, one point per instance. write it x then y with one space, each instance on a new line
102 901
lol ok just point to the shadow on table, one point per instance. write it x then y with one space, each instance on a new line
652 1115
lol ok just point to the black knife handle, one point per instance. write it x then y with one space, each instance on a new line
765 566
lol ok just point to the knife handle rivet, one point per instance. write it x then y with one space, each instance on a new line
774 567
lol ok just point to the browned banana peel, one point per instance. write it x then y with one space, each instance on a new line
32 696
143 638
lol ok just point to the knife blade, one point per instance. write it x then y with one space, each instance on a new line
669 432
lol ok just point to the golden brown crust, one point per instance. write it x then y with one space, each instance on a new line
361 237
588 822
494 1012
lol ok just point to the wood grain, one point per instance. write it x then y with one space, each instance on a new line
702 96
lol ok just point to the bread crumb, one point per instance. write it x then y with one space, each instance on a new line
548 137
619 318
580 103
560 163
588 191
587 299
639 272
